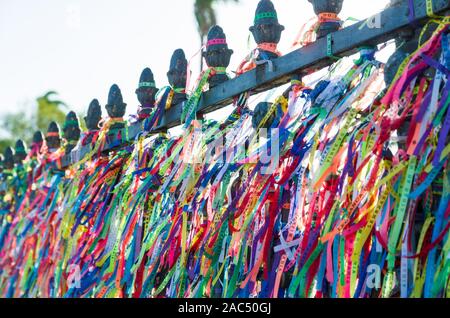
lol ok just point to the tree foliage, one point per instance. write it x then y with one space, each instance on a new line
205 16
49 110
22 124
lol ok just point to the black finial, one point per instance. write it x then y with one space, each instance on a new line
116 107
20 152
260 112
392 65
177 73
266 28
216 39
331 7
94 115
71 131
217 55
177 76
36 144
146 92
53 138
147 79
38 137
8 161
265 13
53 127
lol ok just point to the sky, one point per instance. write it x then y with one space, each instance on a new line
79 48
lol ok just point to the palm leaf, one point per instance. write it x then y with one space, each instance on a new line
205 15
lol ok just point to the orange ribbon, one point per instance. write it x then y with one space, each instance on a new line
328 17
269 47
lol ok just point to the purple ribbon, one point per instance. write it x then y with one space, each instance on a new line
445 129
412 14
433 63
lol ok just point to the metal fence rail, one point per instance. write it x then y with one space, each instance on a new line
302 61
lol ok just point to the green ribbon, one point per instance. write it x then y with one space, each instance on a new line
147 84
266 15
178 90
401 210
191 104
71 123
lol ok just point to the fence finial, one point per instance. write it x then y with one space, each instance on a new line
177 76
146 93
36 147
260 113
53 138
217 55
8 161
116 107
266 29
71 131
327 11
38 138
20 152
94 115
